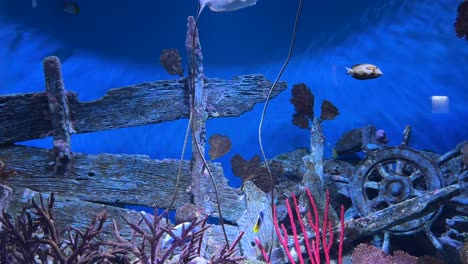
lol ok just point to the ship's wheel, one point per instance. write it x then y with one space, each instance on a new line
390 176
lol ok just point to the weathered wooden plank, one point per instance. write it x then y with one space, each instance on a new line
113 179
59 113
200 176
27 116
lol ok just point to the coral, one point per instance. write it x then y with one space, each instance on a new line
329 111
464 253
301 121
368 254
172 62
187 213
252 170
429 260
5 172
400 257
219 146
227 254
314 244
461 23
303 100
34 237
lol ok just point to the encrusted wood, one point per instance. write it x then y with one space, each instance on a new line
113 179
27 116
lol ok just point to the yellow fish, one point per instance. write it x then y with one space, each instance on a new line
257 225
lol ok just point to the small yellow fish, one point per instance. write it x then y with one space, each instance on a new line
257 225
364 71
71 7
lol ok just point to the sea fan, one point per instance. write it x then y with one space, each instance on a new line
461 23
329 111
219 146
252 170
172 62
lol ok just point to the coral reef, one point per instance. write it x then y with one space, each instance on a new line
172 62
461 23
368 254
34 236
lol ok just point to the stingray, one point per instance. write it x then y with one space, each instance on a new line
225 5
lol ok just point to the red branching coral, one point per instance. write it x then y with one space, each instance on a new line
172 62
461 23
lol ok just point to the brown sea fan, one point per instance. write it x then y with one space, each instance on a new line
219 146
461 23
303 100
172 62
329 111
252 170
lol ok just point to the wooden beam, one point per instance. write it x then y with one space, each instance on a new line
27 116
59 113
114 179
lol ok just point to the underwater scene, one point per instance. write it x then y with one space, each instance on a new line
234 131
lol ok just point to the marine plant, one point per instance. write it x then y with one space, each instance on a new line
252 170
303 101
35 237
461 23
322 238
171 60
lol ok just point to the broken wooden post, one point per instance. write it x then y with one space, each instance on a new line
314 161
59 113
200 182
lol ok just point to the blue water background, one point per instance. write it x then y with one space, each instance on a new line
116 43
